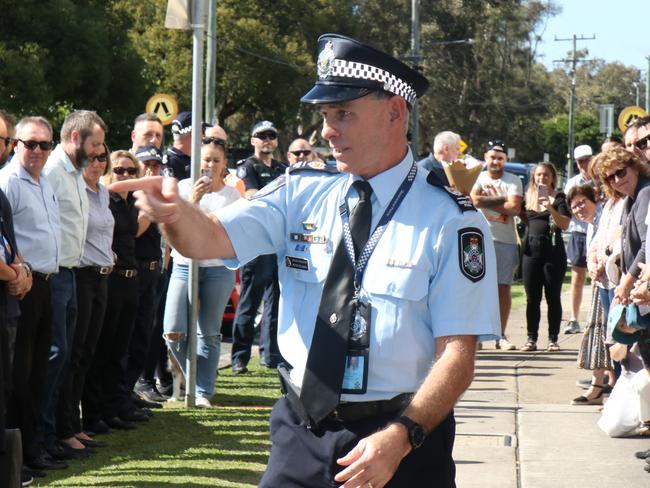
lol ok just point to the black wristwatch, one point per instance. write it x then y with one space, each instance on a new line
415 431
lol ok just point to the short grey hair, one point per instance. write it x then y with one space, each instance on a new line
82 121
36 120
446 137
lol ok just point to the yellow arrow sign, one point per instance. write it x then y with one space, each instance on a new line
164 106
628 115
463 146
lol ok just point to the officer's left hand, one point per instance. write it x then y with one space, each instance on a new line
374 459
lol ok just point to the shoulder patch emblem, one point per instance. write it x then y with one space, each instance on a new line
471 253
241 172
279 182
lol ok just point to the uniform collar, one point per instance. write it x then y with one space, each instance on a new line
385 184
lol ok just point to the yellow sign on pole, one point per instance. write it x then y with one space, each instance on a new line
164 106
463 146
628 115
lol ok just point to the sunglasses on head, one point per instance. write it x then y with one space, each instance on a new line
100 158
120 170
619 173
213 140
266 136
301 152
32 145
642 143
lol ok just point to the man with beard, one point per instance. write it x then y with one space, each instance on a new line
7 124
259 277
640 136
82 138
499 195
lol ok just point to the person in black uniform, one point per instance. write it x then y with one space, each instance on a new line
259 278
178 156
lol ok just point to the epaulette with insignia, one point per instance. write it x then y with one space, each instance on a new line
464 202
278 182
314 166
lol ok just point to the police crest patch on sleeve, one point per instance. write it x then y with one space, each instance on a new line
471 253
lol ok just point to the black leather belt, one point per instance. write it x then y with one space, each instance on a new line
126 272
102 270
353 411
149 265
43 276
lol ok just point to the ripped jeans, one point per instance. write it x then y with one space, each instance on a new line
215 285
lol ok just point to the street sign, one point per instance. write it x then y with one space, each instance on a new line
463 146
629 115
606 113
164 106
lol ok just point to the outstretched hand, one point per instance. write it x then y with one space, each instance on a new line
156 196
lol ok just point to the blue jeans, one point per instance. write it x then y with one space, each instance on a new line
606 296
64 315
215 285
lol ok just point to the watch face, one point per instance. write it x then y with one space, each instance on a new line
417 436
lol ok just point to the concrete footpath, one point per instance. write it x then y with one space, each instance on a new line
517 429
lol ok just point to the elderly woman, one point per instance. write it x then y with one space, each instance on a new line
622 171
593 354
92 289
544 256
102 401
216 281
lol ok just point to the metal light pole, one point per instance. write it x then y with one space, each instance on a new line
211 64
636 89
198 26
647 86
417 59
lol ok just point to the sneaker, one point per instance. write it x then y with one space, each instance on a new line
572 327
203 402
530 346
553 347
505 344
26 479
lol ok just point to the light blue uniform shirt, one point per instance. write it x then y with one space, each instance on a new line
99 237
413 279
36 216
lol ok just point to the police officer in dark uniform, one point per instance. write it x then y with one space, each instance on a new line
179 156
259 278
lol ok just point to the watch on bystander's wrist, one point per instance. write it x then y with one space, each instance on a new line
415 431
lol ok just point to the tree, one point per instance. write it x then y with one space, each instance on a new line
555 135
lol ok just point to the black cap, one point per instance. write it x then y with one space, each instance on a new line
182 124
263 126
497 145
348 69
148 153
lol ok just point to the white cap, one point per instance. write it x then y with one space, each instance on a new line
582 152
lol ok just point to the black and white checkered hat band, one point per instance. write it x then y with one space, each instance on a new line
353 69
176 129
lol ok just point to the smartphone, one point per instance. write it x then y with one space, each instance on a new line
206 172
542 190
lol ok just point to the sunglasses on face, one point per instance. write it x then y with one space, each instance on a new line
100 158
32 145
619 173
269 136
301 152
213 140
642 143
120 170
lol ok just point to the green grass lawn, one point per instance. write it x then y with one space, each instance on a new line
226 446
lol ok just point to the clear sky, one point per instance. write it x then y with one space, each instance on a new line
621 28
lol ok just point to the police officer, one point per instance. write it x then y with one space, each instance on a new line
178 158
409 328
259 278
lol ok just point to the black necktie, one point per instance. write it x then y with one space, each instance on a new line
321 385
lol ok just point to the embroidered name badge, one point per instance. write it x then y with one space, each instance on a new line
296 263
471 253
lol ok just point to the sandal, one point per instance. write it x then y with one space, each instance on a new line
553 346
529 346
583 400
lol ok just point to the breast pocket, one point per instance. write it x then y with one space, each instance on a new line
310 265
399 283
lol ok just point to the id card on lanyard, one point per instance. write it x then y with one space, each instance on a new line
355 376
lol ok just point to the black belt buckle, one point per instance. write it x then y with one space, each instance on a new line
152 265
354 411
104 270
129 273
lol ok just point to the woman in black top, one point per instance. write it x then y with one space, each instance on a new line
103 404
544 258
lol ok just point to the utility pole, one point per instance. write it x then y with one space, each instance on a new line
647 86
417 60
211 64
572 102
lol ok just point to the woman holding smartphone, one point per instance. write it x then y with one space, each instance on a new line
216 281
544 256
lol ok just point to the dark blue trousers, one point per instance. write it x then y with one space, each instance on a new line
302 458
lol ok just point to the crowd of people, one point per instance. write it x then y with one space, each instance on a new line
95 277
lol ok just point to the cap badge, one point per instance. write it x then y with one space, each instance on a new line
325 59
